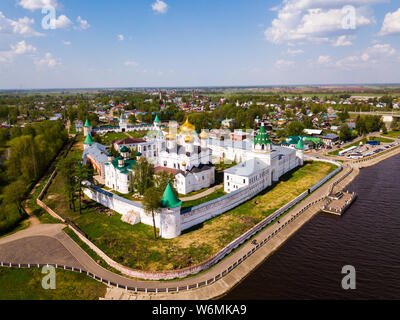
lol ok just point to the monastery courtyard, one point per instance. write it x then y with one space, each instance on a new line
135 247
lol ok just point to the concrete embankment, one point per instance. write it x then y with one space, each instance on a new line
221 287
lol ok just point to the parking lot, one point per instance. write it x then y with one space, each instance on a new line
366 150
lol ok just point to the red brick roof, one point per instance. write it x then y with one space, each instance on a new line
169 170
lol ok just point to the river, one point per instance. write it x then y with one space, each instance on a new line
367 236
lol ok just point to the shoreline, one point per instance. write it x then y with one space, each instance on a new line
241 272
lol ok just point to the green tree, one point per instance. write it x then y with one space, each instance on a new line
345 133
343 116
295 128
161 181
143 177
151 201
82 173
66 168
14 193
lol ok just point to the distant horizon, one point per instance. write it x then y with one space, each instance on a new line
214 87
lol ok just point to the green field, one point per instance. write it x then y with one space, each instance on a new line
380 139
392 134
107 138
26 284
135 246
192 203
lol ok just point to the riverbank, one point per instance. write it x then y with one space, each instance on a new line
308 266
239 274
226 275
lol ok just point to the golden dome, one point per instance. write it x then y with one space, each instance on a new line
170 136
183 164
203 135
189 139
187 127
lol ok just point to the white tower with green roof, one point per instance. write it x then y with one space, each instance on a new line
300 151
170 215
262 147
123 123
88 141
87 128
157 123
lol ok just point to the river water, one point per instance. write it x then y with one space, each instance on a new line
367 236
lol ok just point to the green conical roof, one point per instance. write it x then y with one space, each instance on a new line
87 123
89 139
157 120
169 199
300 145
124 149
262 137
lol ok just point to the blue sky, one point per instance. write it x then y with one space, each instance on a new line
126 43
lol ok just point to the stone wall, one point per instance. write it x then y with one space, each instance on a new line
121 205
214 208
236 197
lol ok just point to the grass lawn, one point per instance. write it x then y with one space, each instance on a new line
135 246
216 194
107 138
137 134
392 134
383 140
26 284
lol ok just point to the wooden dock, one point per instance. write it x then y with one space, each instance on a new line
338 203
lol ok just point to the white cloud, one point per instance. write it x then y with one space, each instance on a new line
295 52
391 23
325 60
67 43
284 63
37 4
313 20
348 62
21 27
83 24
20 48
121 37
342 41
47 61
62 22
381 50
160 7
377 54
131 64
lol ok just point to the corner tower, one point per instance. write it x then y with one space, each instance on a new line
87 128
262 147
88 141
170 215
300 151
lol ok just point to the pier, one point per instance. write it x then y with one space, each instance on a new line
338 203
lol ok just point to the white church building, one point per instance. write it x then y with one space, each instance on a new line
264 161
181 152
